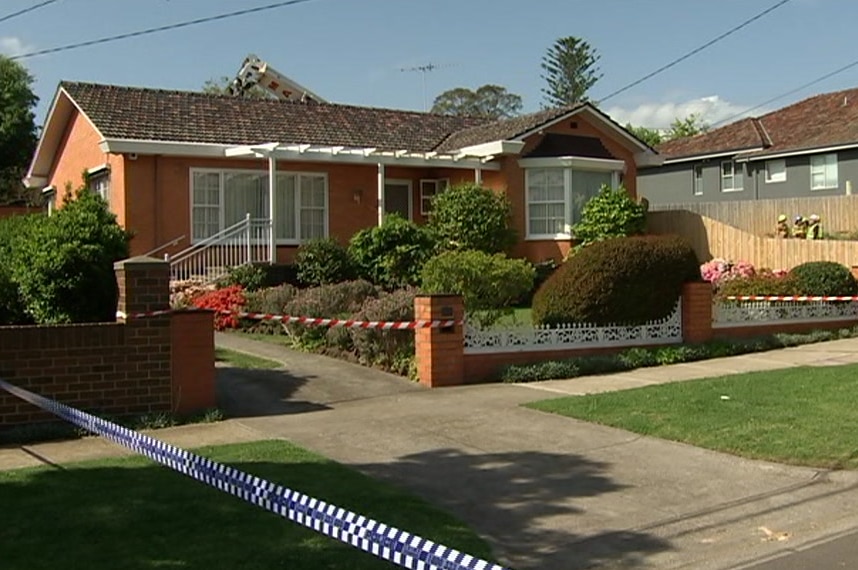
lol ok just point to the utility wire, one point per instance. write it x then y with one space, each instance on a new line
159 29
694 51
25 10
788 93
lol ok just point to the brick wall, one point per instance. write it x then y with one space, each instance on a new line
158 364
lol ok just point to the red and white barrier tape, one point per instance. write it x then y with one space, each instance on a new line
307 321
791 298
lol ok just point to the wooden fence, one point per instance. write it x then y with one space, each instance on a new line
712 238
759 217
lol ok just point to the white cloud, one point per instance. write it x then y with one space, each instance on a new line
12 46
711 109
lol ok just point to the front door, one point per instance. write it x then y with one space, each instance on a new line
397 198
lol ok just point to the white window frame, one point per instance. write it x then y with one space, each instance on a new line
98 181
697 173
734 168
440 185
222 214
780 176
567 199
829 170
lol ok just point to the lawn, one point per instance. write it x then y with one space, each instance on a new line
804 416
242 360
129 513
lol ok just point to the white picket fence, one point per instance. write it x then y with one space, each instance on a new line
572 336
757 313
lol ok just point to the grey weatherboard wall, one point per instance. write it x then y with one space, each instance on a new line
674 183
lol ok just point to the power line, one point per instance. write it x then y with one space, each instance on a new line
788 93
25 10
695 51
160 29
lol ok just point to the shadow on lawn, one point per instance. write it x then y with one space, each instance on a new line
511 499
118 517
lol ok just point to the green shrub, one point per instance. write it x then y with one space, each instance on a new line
468 216
392 350
64 268
824 278
490 284
248 276
322 262
618 281
391 255
338 300
611 213
12 230
270 301
759 284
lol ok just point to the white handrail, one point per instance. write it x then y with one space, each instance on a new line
168 244
245 242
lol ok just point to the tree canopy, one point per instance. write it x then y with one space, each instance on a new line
680 128
491 101
570 70
17 128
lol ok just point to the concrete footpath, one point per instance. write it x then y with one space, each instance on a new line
546 491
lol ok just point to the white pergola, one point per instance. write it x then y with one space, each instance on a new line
476 157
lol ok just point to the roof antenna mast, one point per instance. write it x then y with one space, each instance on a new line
423 70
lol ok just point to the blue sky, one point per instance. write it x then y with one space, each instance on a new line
352 51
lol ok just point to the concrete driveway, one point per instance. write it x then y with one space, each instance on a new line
550 492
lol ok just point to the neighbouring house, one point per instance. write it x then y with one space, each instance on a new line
809 148
192 170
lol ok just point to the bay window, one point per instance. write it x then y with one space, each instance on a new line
556 197
222 198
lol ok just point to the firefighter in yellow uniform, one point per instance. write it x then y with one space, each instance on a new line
782 229
799 228
814 229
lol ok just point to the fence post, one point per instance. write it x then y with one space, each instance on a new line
696 312
440 352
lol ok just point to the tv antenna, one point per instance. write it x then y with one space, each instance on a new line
423 70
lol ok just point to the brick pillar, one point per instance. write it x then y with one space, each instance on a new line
144 285
440 351
696 312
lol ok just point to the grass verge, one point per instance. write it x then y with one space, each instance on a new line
242 360
129 513
803 416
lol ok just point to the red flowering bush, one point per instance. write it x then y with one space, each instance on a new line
227 299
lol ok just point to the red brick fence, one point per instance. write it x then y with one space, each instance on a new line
160 364
443 358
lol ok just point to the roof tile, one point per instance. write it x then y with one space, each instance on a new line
829 119
184 116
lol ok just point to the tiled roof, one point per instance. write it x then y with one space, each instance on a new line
504 129
830 119
738 136
183 116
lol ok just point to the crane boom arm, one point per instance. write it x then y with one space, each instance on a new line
256 72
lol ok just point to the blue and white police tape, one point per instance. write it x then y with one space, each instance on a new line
387 542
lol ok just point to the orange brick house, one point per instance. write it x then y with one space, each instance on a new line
181 168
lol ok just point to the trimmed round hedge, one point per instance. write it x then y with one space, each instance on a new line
618 281
823 278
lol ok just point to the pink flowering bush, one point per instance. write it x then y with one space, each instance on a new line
719 270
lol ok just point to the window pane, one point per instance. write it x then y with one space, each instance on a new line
585 185
244 193
546 195
284 207
206 187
